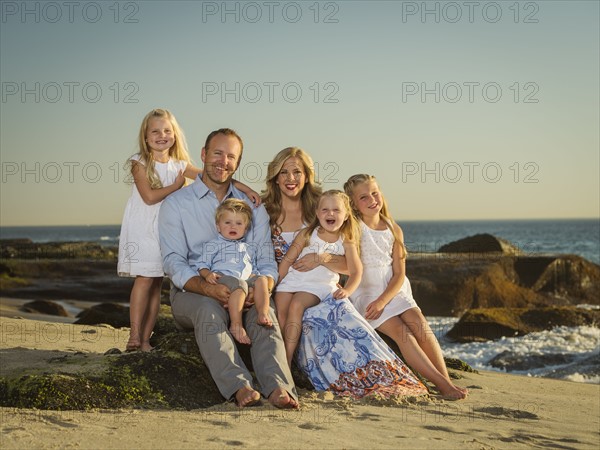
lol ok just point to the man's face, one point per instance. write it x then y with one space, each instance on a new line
221 158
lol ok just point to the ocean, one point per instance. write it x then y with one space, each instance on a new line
571 353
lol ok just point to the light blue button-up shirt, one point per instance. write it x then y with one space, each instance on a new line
187 221
233 258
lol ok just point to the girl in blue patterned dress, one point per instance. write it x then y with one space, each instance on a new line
338 349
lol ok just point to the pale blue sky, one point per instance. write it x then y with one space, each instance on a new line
525 145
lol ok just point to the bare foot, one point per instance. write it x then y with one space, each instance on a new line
264 320
146 347
453 392
239 333
133 344
246 396
279 398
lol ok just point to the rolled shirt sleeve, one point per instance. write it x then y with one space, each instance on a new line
263 246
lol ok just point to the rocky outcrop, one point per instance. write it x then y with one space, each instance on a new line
108 313
450 284
445 284
45 307
493 323
26 249
480 243
511 361
173 376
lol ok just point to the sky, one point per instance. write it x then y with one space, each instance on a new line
462 110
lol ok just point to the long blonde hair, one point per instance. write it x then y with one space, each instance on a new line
349 231
271 196
178 151
384 214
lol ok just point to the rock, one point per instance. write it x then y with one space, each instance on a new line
113 351
450 284
567 276
45 307
585 368
511 361
445 284
109 313
480 243
26 249
493 323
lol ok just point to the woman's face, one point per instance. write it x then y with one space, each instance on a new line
291 178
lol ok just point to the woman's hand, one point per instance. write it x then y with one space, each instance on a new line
307 262
374 310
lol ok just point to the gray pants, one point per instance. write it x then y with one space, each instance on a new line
209 321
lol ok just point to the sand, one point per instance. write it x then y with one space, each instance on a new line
502 411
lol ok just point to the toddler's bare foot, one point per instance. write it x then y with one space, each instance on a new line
246 396
239 333
264 320
279 398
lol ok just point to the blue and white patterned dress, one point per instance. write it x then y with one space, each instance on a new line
339 351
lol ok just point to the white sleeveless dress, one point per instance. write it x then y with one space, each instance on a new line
376 256
320 281
139 248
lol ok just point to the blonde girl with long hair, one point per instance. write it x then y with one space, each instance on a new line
384 296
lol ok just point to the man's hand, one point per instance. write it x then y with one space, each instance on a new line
219 292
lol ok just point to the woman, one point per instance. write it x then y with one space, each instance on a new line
338 350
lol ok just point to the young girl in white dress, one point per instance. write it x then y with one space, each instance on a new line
384 296
158 169
333 231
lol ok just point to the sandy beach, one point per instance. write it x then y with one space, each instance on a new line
502 411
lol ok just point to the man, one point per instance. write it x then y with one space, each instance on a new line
186 222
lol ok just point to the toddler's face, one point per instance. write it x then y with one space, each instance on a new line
232 225
331 213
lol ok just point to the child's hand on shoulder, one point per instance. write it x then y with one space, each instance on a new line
179 180
253 195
